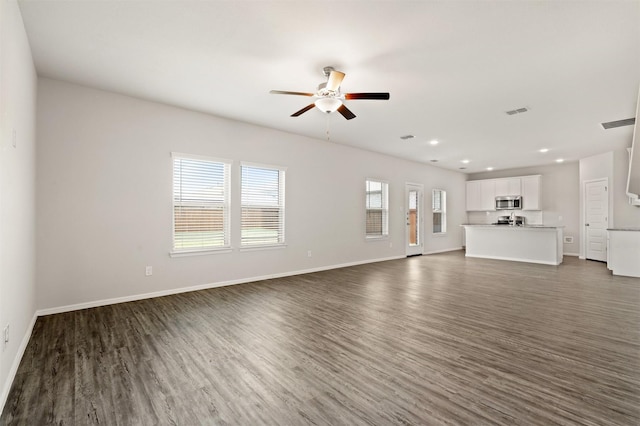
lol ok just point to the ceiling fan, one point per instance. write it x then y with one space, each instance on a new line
329 98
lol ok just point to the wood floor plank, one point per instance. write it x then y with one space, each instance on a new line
439 340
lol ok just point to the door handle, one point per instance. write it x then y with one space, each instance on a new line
586 224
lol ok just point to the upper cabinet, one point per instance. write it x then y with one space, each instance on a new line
509 186
488 201
474 195
531 193
481 194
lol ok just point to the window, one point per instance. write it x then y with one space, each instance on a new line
377 204
439 206
200 203
262 197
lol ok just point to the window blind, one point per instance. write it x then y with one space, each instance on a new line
439 200
377 206
200 203
262 198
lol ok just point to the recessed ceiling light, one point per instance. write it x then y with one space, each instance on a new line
434 142
543 150
465 161
406 137
559 160
489 168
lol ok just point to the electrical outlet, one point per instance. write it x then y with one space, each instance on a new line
148 271
309 253
14 138
568 240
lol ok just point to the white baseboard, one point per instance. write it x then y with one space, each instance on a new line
443 251
16 362
572 254
514 259
104 302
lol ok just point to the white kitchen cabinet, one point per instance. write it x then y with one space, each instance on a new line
509 186
481 195
531 193
474 195
624 251
488 201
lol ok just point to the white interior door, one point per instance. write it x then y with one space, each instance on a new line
596 199
414 219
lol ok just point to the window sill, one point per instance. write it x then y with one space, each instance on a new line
381 238
204 252
439 234
263 247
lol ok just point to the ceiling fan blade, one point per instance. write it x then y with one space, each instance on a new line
335 79
303 110
378 96
285 92
346 112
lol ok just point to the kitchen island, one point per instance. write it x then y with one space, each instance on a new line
527 243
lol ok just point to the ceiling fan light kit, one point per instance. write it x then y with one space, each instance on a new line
328 105
329 97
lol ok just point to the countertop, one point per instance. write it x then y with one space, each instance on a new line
624 229
489 225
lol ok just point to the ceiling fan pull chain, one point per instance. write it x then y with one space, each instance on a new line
327 127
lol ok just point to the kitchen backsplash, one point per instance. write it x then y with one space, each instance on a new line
532 217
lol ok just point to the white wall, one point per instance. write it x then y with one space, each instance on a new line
104 198
17 190
559 198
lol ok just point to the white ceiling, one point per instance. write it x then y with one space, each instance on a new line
452 68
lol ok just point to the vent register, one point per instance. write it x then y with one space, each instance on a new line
619 123
517 111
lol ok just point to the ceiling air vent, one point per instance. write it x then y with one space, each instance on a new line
619 123
517 111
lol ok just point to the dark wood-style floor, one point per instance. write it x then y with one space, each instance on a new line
430 340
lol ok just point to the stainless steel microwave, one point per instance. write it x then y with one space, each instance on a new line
511 202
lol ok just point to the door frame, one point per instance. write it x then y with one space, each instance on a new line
418 249
585 240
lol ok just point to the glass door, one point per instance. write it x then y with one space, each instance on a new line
414 220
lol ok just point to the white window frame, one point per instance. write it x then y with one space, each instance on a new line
226 207
442 210
384 194
282 172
